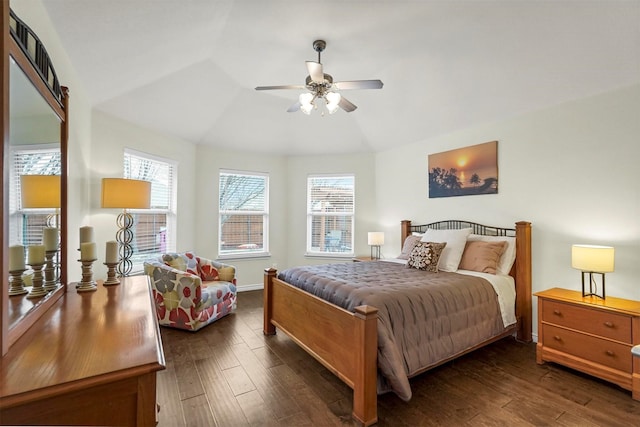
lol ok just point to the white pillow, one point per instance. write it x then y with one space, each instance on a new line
452 253
508 256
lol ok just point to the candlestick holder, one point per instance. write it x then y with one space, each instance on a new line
111 274
16 284
50 276
37 290
87 283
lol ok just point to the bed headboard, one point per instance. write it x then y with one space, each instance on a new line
521 270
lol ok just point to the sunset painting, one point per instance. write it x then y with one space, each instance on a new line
464 171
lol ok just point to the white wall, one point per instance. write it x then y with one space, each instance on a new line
110 137
209 161
287 205
299 168
571 170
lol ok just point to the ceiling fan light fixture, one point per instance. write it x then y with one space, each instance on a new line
319 84
306 102
333 101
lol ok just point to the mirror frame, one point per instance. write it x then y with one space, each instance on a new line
42 75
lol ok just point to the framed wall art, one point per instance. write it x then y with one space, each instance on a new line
464 171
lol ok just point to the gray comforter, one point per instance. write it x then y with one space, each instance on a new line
423 317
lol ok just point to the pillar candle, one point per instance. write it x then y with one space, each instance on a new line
86 234
50 239
112 252
87 251
16 258
36 255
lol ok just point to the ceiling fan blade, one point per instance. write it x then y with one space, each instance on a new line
281 87
358 84
295 107
346 105
315 71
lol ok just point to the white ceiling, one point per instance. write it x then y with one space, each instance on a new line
189 67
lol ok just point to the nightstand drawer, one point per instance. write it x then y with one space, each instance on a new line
597 322
607 353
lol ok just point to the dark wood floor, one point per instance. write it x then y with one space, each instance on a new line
229 374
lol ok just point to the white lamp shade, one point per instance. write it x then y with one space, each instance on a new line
593 258
333 101
375 238
306 100
126 193
40 191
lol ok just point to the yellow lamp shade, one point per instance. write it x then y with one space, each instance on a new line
126 193
593 258
40 191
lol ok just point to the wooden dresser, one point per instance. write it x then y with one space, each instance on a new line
591 335
90 360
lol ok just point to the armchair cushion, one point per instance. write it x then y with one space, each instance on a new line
181 297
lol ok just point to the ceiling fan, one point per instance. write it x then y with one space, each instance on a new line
322 88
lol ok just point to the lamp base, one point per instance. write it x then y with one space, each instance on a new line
592 285
124 237
375 252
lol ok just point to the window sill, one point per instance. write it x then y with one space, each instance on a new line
329 255
244 256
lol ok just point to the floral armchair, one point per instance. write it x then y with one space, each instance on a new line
190 291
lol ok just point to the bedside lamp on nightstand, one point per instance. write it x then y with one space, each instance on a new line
592 259
375 239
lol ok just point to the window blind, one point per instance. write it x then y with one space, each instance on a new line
154 228
26 225
330 214
243 213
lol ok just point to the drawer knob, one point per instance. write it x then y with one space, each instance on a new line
557 312
557 338
608 324
610 353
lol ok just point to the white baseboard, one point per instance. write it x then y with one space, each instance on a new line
255 287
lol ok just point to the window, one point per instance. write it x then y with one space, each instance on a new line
330 214
154 228
244 213
26 224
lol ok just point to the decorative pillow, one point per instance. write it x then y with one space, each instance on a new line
509 255
409 243
425 256
482 256
452 253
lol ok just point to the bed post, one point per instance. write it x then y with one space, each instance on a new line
405 231
365 395
267 327
523 280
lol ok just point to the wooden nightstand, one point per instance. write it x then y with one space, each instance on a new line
363 259
591 335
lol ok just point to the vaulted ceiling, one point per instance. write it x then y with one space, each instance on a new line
189 67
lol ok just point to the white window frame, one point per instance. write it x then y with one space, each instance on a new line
313 251
170 211
226 253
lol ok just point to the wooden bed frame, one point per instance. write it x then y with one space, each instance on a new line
346 343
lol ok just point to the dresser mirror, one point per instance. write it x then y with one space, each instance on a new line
34 180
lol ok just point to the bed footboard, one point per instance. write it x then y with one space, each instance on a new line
345 343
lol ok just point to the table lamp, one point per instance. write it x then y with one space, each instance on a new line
375 239
592 259
125 194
